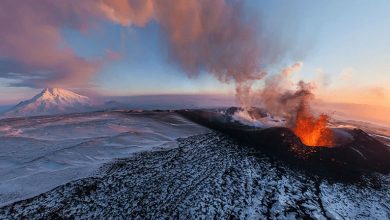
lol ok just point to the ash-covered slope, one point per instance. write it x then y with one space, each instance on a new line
51 101
207 177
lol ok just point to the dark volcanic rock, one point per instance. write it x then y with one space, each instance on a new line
361 153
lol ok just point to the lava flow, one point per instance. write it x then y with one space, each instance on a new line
313 131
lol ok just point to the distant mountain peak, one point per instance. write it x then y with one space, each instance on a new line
51 101
55 91
59 94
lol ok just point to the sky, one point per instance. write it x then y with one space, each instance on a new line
343 45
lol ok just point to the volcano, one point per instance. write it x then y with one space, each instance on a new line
49 102
353 151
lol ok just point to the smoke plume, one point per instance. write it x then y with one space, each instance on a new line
212 36
280 99
216 37
277 94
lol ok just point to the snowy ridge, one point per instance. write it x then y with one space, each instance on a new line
51 101
206 177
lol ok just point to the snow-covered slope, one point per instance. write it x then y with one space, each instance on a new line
206 176
63 167
51 101
40 153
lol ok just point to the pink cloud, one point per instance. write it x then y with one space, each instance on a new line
30 37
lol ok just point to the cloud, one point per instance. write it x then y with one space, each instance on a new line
346 74
377 92
322 79
32 45
128 12
296 67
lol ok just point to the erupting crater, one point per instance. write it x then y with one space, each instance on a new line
313 131
310 144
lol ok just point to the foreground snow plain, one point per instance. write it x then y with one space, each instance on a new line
166 167
40 153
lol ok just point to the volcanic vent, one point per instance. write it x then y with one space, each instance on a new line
349 150
313 131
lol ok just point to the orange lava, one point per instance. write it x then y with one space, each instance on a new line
313 131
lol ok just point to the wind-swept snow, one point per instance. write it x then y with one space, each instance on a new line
206 177
39 153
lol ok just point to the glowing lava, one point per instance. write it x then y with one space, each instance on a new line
313 131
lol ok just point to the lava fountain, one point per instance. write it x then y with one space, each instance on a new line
313 131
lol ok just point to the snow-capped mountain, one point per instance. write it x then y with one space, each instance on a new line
51 101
